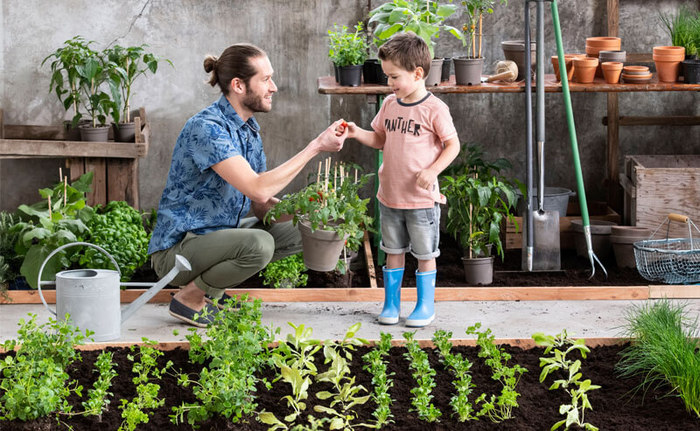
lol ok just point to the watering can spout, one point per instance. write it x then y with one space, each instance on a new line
181 264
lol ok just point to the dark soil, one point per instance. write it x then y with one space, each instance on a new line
575 271
615 407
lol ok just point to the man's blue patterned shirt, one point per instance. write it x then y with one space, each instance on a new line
196 199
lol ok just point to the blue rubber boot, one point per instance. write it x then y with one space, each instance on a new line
392 296
424 313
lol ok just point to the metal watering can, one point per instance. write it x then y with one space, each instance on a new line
91 296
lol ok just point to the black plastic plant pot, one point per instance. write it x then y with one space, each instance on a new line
369 71
337 73
691 71
446 64
350 76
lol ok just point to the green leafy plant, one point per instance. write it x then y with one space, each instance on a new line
476 210
234 349
59 218
65 76
462 382
497 408
126 65
9 261
683 27
560 346
474 11
424 375
118 228
94 72
424 18
287 272
332 203
664 349
98 395
382 381
146 369
34 381
345 394
345 48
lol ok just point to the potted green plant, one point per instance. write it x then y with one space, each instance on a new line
126 65
329 214
477 206
468 69
65 79
424 18
93 71
348 52
683 28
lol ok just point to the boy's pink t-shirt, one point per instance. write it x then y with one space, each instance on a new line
413 136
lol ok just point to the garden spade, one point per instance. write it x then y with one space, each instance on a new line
542 226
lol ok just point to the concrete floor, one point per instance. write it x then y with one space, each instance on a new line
330 320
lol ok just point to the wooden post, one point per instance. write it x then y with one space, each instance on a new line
613 136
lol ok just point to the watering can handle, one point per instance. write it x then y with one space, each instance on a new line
41 270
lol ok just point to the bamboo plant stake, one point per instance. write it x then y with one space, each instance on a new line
50 215
318 176
65 191
481 17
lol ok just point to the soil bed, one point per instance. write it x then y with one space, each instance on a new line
614 407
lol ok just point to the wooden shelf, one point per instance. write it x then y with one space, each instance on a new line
327 85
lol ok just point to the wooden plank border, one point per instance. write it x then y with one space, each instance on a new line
367 294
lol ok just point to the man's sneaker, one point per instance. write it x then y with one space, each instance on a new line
186 314
221 303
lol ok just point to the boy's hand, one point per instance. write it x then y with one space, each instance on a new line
426 179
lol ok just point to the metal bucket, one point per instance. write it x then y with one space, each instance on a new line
91 298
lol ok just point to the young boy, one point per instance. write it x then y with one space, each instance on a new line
419 140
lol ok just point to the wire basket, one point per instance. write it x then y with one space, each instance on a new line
670 260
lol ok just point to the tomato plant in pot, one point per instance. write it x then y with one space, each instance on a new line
65 79
127 64
348 52
476 209
424 18
329 214
468 69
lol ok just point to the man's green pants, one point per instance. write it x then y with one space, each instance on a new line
225 258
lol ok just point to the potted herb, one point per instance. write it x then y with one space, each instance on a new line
424 18
330 215
65 79
468 69
348 52
126 65
477 206
93 71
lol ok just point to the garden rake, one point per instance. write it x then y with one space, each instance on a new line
572 135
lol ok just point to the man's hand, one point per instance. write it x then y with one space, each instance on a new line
426 179
329 140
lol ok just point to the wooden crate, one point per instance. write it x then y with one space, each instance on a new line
658 185
596 211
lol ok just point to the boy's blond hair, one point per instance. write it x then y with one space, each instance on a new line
407 51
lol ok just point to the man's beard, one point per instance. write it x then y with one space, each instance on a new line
254 103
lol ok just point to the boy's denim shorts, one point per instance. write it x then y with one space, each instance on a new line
414 230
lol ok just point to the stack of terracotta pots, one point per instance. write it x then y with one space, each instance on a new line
668 62
594 45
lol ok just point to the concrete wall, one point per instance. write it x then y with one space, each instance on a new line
293 33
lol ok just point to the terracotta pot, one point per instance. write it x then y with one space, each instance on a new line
635 70
668 71
478 270
609 56
584 69
667 57
604 41
569 59
623 248
611 71
670 50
